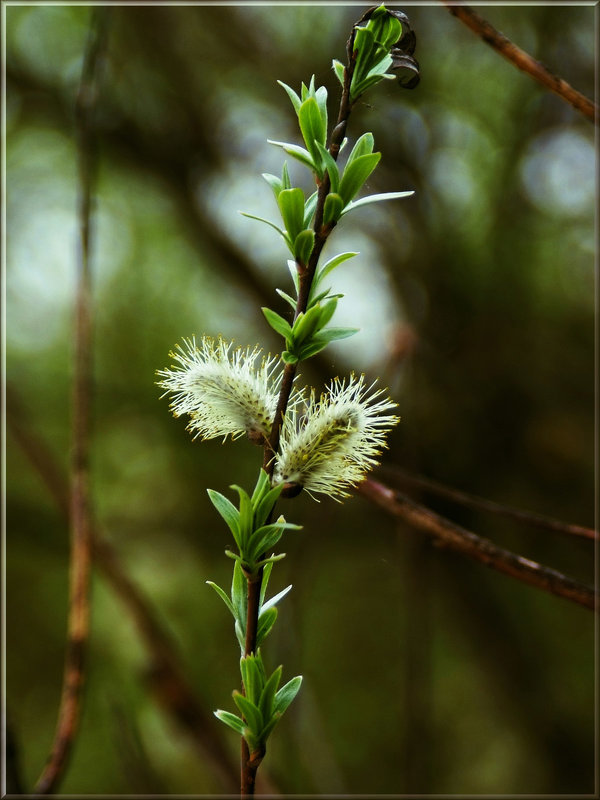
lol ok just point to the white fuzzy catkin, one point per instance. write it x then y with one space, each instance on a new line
221 388
335 441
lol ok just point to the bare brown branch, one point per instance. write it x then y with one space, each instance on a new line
522 60
80 505
395 474
449 535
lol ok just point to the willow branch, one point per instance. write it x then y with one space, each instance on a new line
80 506
165 674
481 504
449 535
522 60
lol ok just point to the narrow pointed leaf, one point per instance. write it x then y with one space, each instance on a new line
267 699
334 262
309 208
299 153
265 623
327 312
330 166
266 221
224 597
251 713
232 720
276 598
265 506
287 298
291 205
375 198
356 174
228 511
339 70
303 246
279 324
287 693
265 582
292 95
332 210
274 182
261 488
293 268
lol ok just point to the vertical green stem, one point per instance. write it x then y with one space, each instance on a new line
306 273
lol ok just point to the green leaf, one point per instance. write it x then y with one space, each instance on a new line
267 698
332 334
265 623
287 298
334 262
246 516
292 95
375 198
303 246
264 508
330 166
251 713
251 678
279 324
305 324
269 560
287 693
299 153
339 70
311 349
274 182
313 132
355 175
224 597
267 730
265 580
228 511
291 205
239 596
364 146
241 636
289 358
266 221
309 208
293 268
261 488
332 210
285 176
327 312
264 539
320 341
272 602
232 720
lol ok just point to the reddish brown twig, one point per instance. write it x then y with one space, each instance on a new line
481 504
80 507
448 534
522 60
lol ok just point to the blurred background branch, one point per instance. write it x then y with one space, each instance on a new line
523 60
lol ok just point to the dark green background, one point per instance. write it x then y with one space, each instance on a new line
424 672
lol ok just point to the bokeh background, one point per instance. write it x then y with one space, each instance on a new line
424 672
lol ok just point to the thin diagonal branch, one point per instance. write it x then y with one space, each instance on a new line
395 474
522 60
80 506
449 535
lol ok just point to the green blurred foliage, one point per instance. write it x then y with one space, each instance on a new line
424 672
